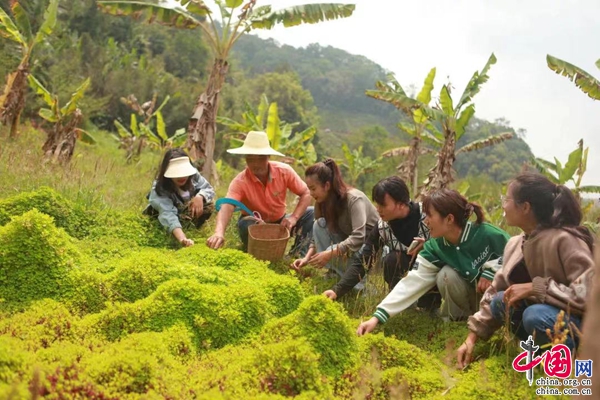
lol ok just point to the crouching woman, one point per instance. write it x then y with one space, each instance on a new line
180 193
547 269
461 258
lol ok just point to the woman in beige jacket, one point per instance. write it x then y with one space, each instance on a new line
546 269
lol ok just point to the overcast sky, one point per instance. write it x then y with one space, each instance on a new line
410 37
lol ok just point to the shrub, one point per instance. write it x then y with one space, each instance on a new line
284 291
491 378
124 368
325 327
14 360
391 368
104 251
287 369
73 218
426 332
35 258
89 291
138 275
217 315
229 259
132 227
43 324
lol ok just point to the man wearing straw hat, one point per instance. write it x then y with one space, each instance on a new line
263 187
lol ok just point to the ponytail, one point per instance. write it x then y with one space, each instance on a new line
554 206
446 202
474 208
567 211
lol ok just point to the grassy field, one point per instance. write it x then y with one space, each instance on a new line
131 315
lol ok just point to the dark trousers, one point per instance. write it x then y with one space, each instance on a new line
395 266
302 232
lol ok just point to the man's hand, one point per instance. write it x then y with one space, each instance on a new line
483 284
321 259
289 222
367 326
330 294
517 292
299 263
215 241
187 242
464 354
196 206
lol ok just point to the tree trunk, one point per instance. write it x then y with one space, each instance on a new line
60 144
202 127
441 175
408 169
14 99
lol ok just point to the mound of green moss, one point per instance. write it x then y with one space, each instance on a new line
325 326
35 259
217 315
289 369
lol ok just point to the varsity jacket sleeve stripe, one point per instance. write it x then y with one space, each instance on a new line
490 268
410 288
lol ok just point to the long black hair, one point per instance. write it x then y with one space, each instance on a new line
165 186
330 209
553 206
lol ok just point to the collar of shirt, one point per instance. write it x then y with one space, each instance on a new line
465 235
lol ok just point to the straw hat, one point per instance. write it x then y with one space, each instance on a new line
256 143
180 167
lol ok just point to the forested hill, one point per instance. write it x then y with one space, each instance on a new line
316 85
335 78
337 81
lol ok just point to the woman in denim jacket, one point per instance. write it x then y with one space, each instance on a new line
180 193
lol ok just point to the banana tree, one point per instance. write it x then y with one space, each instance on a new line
583 80
221 38
393 93
572 171
297 146
60 143
18 29
452 120
356 164
141 133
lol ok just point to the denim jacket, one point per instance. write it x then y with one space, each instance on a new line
169 206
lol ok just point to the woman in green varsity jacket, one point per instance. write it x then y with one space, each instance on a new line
461 258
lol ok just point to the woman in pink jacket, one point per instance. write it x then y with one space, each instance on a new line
546 269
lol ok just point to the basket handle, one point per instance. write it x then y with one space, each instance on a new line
239 206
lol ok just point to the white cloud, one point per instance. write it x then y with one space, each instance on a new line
457 37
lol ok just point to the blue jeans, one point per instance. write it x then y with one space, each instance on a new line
533 320
325 240
302 231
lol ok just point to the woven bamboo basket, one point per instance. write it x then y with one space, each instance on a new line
267 242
